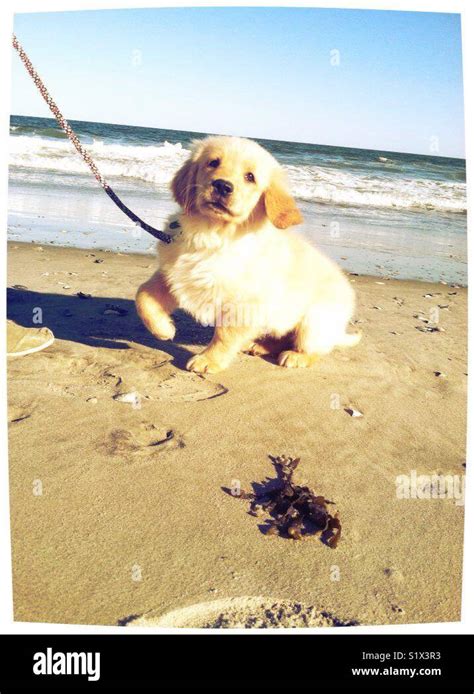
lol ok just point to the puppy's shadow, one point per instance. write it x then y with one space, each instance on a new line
100 322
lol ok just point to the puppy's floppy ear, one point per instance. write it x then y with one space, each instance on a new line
183 185
279 204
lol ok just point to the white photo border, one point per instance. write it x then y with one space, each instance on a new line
7 10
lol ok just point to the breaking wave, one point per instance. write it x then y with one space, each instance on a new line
156 163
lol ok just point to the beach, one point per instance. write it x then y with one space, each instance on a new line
119 509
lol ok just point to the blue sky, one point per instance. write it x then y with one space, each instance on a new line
259 72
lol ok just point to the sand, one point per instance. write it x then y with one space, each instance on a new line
119 457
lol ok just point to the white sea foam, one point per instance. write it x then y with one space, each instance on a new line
156 164
344 188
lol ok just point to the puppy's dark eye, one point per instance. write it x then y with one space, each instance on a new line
214 163
250 177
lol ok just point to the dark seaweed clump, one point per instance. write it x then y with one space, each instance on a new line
295 511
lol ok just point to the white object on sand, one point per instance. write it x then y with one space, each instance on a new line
353 412
22 341
131 398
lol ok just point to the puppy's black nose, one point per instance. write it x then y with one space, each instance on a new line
222 187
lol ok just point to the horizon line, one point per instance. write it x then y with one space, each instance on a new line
267 139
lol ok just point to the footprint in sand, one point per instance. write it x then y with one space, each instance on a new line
61 373
178 386
162 381
146 441
151 375
245 612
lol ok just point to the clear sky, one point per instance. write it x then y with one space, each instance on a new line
259 72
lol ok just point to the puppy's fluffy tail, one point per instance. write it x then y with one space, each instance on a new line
350 340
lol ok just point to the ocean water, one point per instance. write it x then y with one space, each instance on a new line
375 212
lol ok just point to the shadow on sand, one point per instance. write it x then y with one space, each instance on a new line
108 322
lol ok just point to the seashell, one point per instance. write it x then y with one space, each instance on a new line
353 412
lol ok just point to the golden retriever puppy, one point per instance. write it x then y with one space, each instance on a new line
232 264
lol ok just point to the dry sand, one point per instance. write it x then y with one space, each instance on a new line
132 525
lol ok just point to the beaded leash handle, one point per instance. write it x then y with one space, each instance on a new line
64 125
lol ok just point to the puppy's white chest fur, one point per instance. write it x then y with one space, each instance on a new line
207 271
269 279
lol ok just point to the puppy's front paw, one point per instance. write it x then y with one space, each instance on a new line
295 360
164 328
202 364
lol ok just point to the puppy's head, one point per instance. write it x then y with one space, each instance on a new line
231 180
